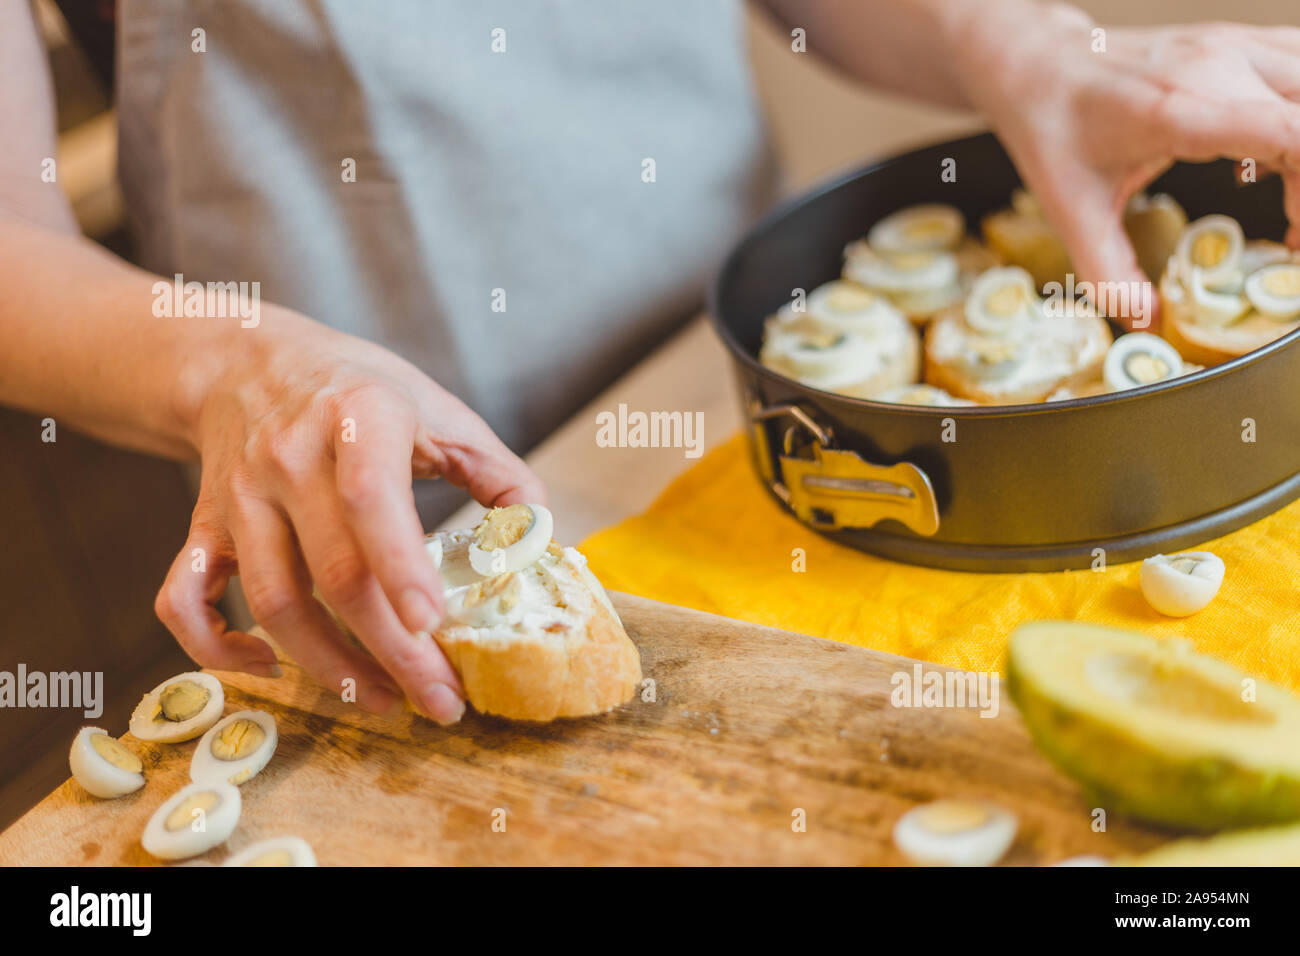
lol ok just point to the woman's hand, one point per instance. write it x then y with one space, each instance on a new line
1089 127
309 439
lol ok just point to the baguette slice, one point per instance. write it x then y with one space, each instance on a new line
1210 346
559 650
1064 356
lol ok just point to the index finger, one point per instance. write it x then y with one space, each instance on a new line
372 449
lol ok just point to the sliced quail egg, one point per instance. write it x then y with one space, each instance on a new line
277 851
1215 309
955 833
990 359
921 395
103 765
841 306
922 228
180 708
510 539
486 603
1140 358
1177 585
236 749
1275 290
1002 300
897 273
820 355
1260 253
193 821
433 545
1212 244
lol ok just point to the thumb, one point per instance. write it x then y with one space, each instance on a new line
1091 224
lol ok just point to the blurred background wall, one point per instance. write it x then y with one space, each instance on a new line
87 532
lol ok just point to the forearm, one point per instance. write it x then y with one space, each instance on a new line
81 343
936 50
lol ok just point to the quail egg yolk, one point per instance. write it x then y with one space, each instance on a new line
1008 300
502 527
1146 368
923 229
183 815
993 352
181 701
953 816
237 740
493 587
820 340
1209 249
1284 283
274 858
908 261
116 753
849 300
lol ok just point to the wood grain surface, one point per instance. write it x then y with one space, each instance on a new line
749 725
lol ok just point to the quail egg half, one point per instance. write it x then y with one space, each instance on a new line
277 851
956 833
1275 290
1140 358
1002 300
180 708
510 539
104 765
923 228
193 821
433 545
1177 585
1212 246
235 749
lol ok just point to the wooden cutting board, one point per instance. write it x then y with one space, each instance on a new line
749 726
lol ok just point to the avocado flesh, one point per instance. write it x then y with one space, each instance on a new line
1155 730
1266 846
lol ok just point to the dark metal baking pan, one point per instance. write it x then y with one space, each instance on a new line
1021 487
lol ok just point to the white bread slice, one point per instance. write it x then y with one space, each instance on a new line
559 651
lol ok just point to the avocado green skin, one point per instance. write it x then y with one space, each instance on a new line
1126 776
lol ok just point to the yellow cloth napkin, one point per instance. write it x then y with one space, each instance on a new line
715 540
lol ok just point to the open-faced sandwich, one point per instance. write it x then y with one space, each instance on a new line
1002 347
843 338
528 627
1223 295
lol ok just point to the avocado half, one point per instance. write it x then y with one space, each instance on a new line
1265 846
1155 730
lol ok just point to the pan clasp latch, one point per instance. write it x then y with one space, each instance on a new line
833 488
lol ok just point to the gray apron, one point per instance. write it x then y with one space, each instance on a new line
482 177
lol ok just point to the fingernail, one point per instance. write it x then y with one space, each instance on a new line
442 704
417 611
263 669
